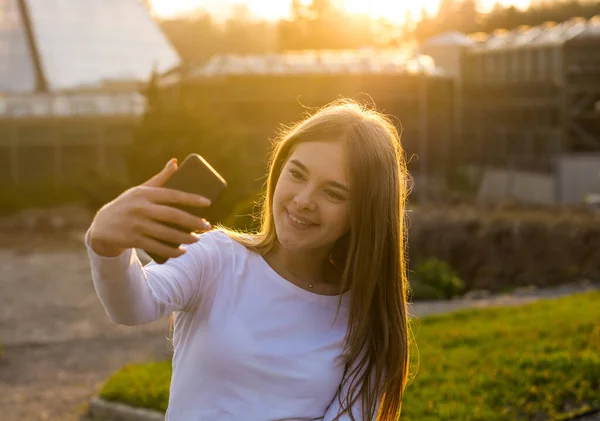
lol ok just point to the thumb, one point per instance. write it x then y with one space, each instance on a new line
161 178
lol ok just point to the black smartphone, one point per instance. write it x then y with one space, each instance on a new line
194 175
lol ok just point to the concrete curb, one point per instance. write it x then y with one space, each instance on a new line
591 415
102 410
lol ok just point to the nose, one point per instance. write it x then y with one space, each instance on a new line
304 200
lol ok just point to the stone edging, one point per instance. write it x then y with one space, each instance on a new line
102 410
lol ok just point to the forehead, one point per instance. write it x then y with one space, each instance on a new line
326 159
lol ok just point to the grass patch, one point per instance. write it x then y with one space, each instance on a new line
140 385
536 362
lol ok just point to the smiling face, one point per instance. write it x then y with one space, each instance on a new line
311 201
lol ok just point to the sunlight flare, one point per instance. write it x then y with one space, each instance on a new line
393 10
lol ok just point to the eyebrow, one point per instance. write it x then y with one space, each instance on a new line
330 182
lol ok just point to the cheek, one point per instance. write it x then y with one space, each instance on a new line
281 189
278 194
339 217
280 199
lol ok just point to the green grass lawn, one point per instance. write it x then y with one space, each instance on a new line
536 362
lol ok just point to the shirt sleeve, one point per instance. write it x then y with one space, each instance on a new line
133 294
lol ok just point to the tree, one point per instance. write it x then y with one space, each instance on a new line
468 16
299 11
322 9
463 16
199 37
242 34
323 25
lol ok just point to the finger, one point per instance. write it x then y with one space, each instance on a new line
163 232
166 195
153 246
161 178
174 216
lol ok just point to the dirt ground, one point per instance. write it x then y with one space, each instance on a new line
59 345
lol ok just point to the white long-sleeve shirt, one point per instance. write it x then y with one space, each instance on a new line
249 345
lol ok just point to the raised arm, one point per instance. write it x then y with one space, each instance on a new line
141 217
133 294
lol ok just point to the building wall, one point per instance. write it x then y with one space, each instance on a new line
574 178
529 187
578 176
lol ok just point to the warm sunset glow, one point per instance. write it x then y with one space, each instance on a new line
169 8
391 9
394 10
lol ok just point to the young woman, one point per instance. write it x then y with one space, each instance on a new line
305 320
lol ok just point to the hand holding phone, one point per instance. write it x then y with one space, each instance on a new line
150 216
194 175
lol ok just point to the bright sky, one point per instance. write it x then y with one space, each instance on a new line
394 10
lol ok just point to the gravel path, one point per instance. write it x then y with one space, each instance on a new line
60 346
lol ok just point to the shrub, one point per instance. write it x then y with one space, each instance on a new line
140 385
498 249
37 195
435 279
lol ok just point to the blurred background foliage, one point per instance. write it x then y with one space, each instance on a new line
320 25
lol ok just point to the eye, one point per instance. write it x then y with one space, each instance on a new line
334 195
296 174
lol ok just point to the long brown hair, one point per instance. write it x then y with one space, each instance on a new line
372 253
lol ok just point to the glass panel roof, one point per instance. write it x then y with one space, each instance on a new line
17 72
87 42
366 61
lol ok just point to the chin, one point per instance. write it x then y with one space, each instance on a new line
292 240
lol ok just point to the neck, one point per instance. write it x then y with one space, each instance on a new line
309 266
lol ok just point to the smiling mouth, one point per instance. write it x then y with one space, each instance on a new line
298 222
